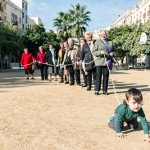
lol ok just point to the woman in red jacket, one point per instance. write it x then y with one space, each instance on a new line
27 61
41 59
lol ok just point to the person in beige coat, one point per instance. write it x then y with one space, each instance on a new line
75 58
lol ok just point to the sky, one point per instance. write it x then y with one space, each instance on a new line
103 12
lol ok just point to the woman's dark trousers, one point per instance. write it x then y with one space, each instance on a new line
44 73
101 71
71 73
90 73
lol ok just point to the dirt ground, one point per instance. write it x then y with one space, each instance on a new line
43 115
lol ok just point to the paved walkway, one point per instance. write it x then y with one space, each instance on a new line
43 115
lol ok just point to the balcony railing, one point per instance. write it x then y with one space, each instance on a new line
14 22
144 15
1 8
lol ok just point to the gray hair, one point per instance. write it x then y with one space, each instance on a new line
103 30
70 39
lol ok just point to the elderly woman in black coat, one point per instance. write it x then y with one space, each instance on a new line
87 57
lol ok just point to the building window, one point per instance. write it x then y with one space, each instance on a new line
148 13
140 16
26 19
19 20
137 18
14 19
23 26
144 15
1 7
23 15
26 7
22 4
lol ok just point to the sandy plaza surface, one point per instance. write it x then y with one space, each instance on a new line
43 115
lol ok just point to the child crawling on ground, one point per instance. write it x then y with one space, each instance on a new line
128 112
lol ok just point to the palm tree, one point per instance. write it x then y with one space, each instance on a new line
79 18
62 23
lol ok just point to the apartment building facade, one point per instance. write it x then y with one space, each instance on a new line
139 13
34 20
23 6
15 12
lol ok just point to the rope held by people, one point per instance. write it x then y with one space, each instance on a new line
112 81
59 64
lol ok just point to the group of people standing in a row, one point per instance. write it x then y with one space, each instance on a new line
93 58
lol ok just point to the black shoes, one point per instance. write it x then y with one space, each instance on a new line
61 81
66 82
105 93
71 83
27 78
88 88
96 93
78 84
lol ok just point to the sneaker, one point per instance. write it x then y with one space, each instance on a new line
27 78
32 78
61 81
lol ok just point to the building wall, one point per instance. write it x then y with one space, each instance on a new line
23 5
17 2
31 22
37 20
14 14
24 14
139 13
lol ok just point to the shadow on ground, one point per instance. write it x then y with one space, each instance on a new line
122 87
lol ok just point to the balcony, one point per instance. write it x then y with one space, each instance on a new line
1 8
144 15
14 22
